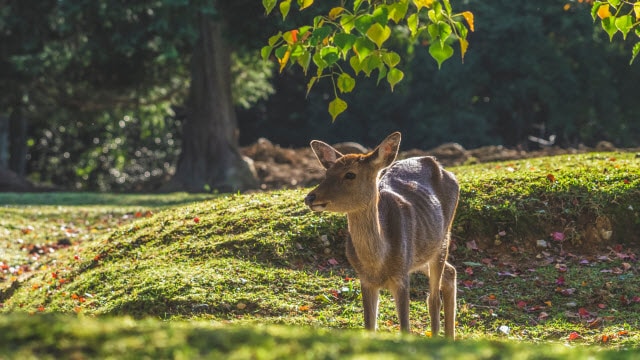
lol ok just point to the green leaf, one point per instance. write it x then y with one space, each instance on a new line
440 30
274 39
398 11
381 15
356 5
412 22
265 52
312 81
347 22
319 34
284 8
614 3
329 55
345 83
269 5
447 6
370 63
363 47
624 24
609 26
440 52
344 42
382 73
336 107
634 52
394 76
391 59
363 23
320 62
304 60
379 34
355 63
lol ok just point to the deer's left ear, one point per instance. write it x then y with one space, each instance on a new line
386 152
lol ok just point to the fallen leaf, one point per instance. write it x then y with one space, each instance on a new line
574 336
332 261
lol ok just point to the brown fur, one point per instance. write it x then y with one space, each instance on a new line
399 217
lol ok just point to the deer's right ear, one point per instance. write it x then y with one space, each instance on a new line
325 153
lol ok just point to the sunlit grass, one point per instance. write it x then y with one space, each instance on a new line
263 258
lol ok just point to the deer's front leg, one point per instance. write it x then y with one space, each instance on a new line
401 297
370 296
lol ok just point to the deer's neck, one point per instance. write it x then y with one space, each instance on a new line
366 234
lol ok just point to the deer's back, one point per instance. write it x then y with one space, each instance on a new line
417 203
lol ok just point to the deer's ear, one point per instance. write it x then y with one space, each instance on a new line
386 152
325 153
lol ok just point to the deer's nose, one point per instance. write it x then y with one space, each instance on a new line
308 200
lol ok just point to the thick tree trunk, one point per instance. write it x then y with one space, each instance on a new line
210 159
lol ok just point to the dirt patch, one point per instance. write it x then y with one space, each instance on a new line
285 168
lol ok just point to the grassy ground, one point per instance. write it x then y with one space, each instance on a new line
237 265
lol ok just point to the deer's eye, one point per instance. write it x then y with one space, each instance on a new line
349 176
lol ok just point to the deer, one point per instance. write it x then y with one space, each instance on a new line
399 216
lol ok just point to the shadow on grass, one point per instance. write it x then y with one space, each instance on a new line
106 199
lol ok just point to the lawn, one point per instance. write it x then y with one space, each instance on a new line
546 251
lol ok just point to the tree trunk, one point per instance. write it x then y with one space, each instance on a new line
210 159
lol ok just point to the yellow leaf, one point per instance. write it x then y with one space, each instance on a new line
422 3
566 7
636 10
468 15
335 12
464 44
548 303
305 4
603 12
284 60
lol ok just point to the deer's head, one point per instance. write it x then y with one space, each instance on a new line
350 182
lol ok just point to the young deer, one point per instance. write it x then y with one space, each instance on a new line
399 217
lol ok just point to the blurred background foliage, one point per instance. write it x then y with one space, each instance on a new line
99 86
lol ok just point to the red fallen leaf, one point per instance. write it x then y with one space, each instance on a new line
624 300
605 338
521 304
574 336
467 283
617 248
551 178
76 257
602 306
560 280
196 219
626 181
623 333
583 312
468 270
612 159
332 261
557 236
54 275
347 279
304 308
138 214
41 308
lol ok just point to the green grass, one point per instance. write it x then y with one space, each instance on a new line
252 266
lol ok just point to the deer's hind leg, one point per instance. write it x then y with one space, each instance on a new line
434 272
